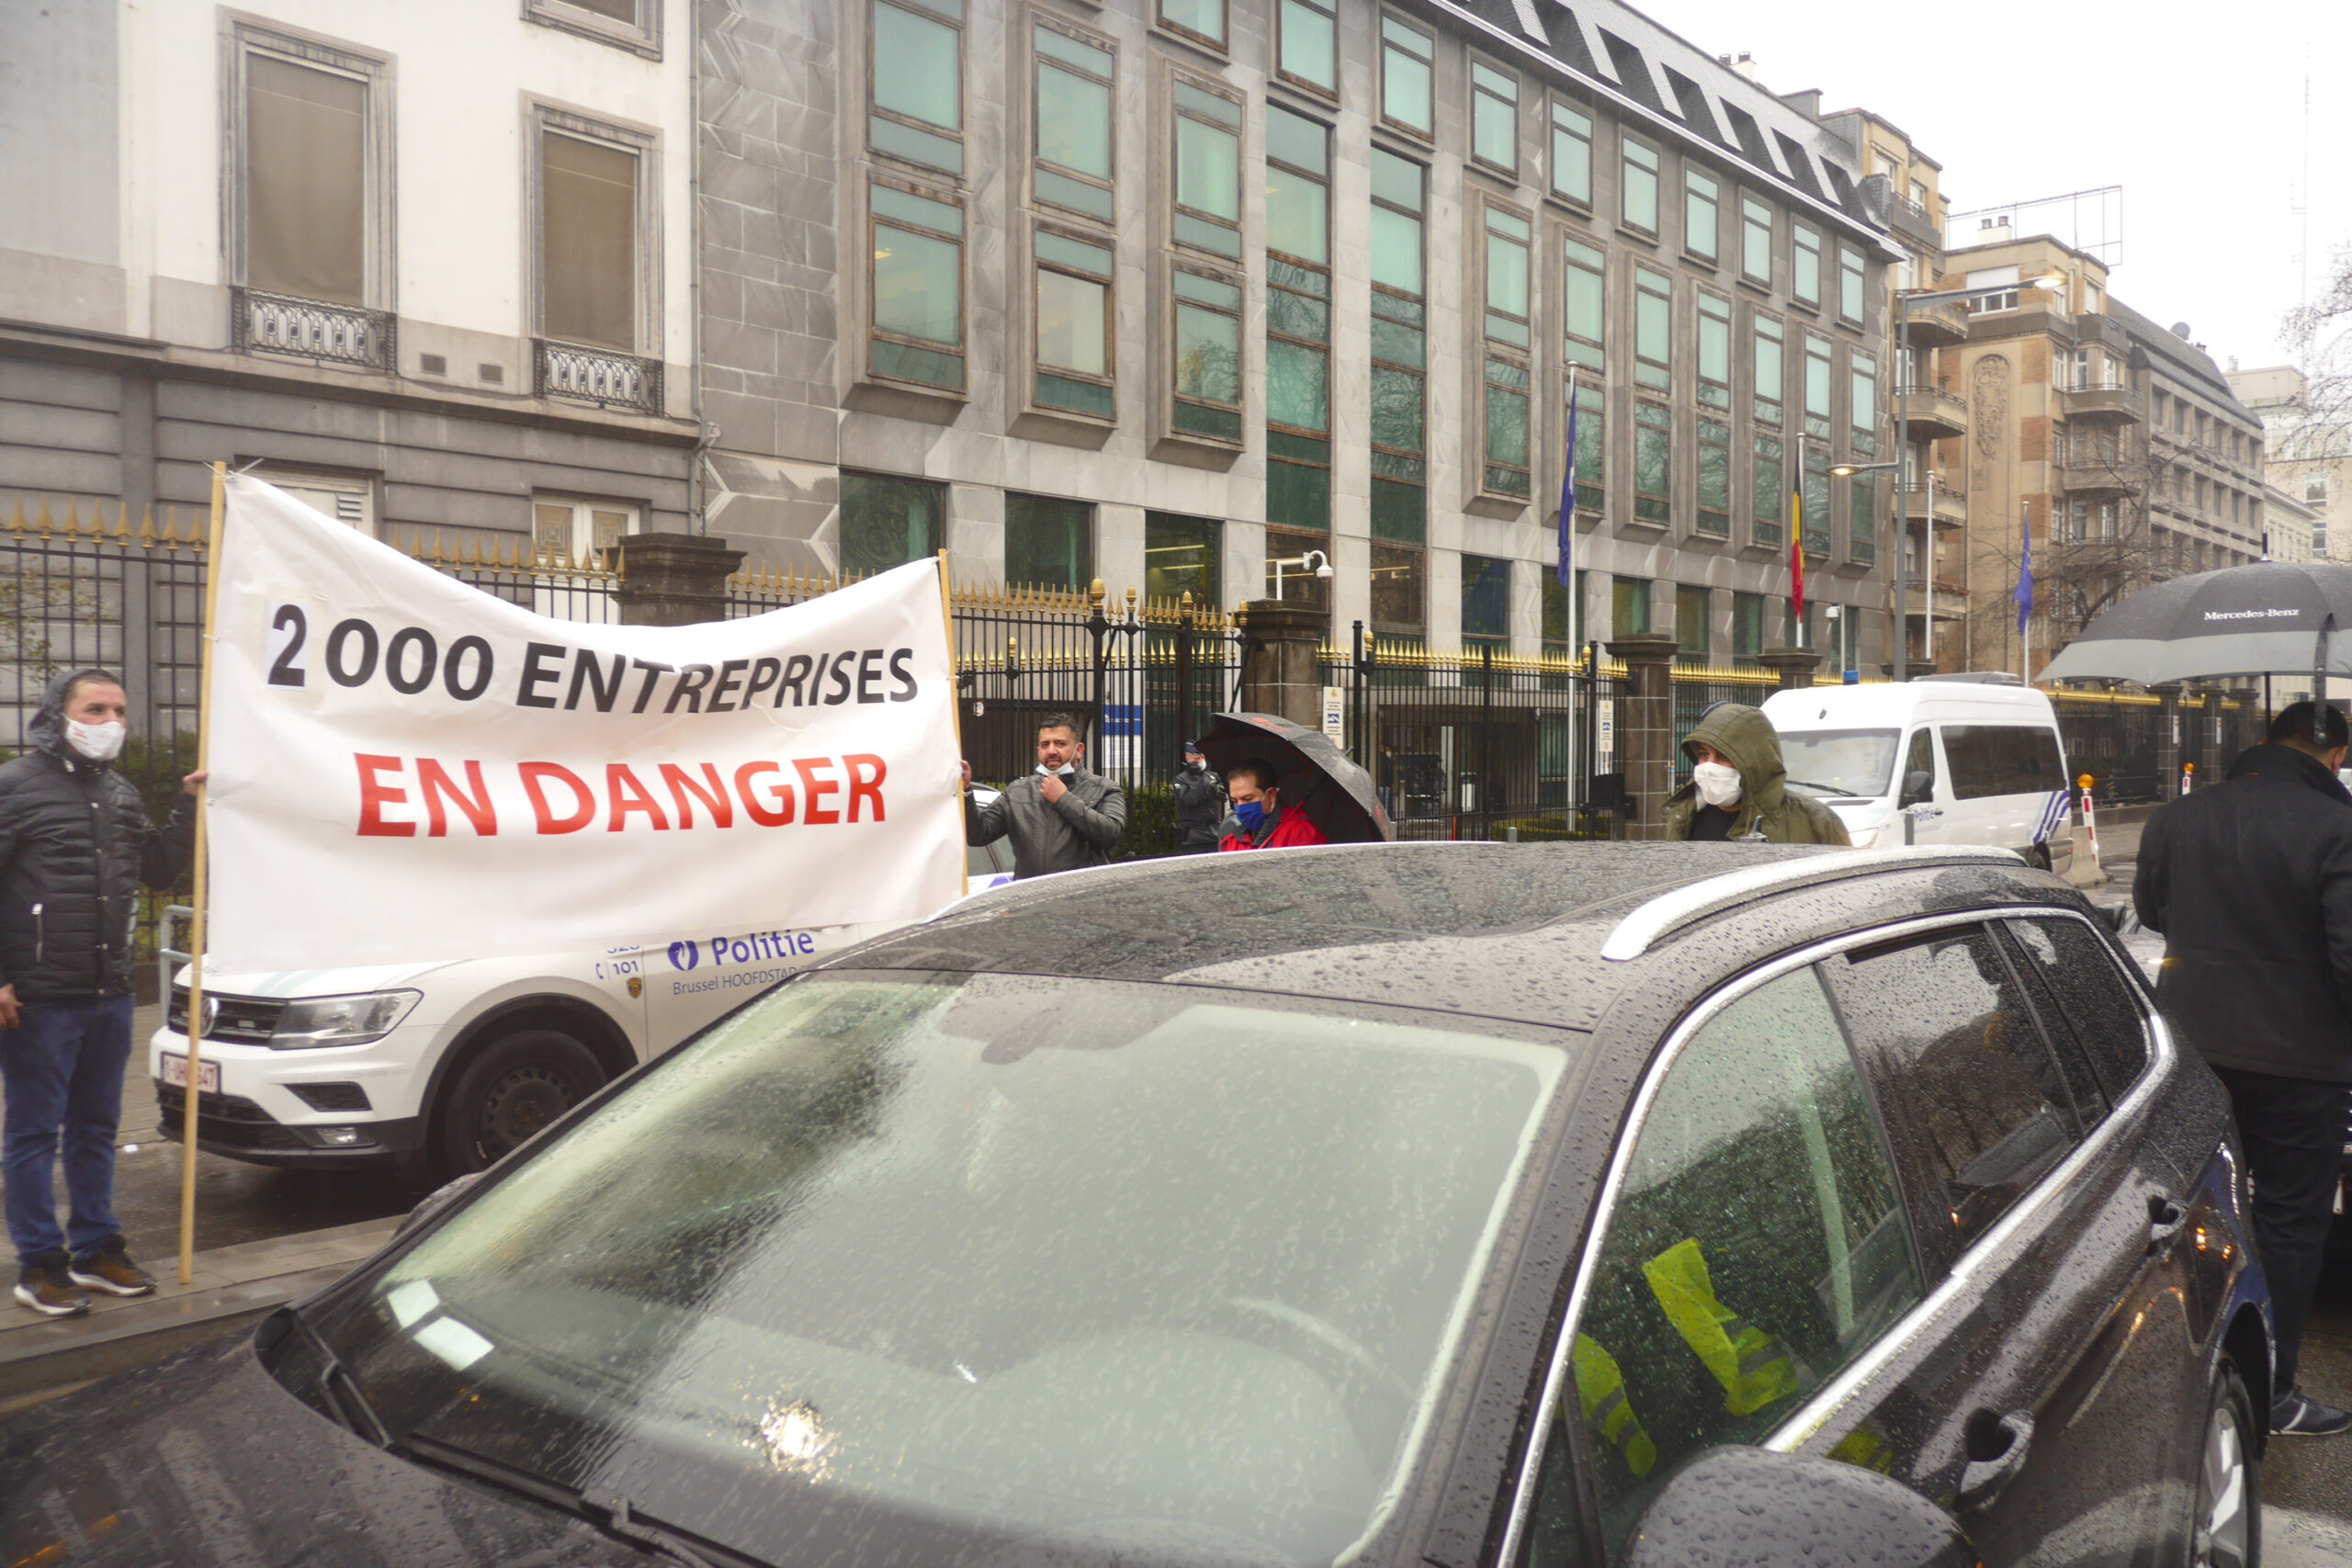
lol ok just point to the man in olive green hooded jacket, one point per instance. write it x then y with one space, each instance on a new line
1733 737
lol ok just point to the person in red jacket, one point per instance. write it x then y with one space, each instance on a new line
1257 806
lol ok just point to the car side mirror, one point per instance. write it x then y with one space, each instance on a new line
1917 789
1734 1507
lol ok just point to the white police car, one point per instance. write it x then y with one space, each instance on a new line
443 1067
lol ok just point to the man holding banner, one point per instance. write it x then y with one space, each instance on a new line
76 843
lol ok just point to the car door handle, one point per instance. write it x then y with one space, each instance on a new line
1997 1450
2166 1218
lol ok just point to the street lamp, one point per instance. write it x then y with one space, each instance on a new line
1322 571
2051 281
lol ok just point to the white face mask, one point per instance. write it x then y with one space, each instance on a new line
98 742
1718 785
1065 770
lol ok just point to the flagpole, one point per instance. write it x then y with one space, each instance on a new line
955 711
196 926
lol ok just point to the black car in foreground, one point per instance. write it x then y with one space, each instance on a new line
1450 1204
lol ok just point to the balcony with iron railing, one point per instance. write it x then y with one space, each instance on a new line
2088 473
1938 326
1951 599
2110 399
1930 413
599 376
1914 223
325 333
1951 508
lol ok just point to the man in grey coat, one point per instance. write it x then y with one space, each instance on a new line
1059 818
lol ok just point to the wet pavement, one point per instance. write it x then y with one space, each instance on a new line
235 1202
2315 1473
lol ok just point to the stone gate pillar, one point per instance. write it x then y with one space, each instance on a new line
1793 665
674 579
1281 669
1645 729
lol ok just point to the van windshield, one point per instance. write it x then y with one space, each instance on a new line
1838 764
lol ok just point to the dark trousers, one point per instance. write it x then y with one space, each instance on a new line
62 1069
2292 1131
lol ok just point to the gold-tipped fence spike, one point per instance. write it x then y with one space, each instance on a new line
121 535
17 517
42 527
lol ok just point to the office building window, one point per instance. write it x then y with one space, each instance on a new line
1591 443
1557 639
1849 284
1509 241
1298 324
1075 80
1509 260
1571 153
1048 542
1805 249
308 179
1406 53
1653 329
1494 117
917 329
1208 170
917 83
1861 520
1505 471
1701 212
1755 240
584 533
1181 556
1771 383
1399 474
588 241
1863 418
1693 638
1208 355
889 522
1816 499
1714 479
1309 54
1714 351
1075 328
1587 302
1399 591
1653 463
1486 603
1629 606
1817 387
1747 625
1768 498
1201 20
1638 177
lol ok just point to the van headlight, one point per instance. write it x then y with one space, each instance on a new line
341 1020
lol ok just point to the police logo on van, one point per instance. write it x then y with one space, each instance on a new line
685 955
636 987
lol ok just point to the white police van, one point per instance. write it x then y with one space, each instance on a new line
440 1068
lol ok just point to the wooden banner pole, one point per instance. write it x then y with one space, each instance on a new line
955 712
196 926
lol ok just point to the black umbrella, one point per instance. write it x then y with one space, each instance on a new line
2273 617
1315 777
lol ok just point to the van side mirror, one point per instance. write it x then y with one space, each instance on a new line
1919 787
1732 1506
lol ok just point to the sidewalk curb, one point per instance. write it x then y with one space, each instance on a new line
235 1286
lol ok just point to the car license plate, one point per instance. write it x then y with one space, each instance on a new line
207 1074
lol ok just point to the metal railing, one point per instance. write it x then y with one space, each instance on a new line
261 322
596 375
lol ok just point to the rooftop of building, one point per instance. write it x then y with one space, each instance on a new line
2179 358
1872 117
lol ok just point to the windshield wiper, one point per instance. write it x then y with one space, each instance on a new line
615 1516
343 1396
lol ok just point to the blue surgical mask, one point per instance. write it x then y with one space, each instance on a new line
1250 814
1065 770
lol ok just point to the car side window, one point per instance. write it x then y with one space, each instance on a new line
1972 1082
2094 998
2002 759
1921 760
1756 1244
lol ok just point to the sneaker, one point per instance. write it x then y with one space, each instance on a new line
2295 1413
43 1286
110 1270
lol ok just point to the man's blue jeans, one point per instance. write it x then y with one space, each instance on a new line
63 1068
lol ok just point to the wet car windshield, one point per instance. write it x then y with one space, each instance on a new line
1148 1271
1834 763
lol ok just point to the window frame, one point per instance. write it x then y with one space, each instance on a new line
1415 307
892 180
1713 435
1763 497
1328 10
1199 39
1040 62
1286 444
1236 313
923 10
1762 328
1652 172
1479 90
644 143
580 551
1713 391
642 36
1861 371
1653 421
1649 372
1578 255
1561 104
1804 240
1039 264
1693 199
379 284
1749 208
1944 1282
1853 267
1238 128
1427 62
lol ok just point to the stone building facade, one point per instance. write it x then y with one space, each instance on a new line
2310 454
427 264
1165 291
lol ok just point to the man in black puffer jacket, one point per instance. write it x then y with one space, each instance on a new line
2251 883
76 843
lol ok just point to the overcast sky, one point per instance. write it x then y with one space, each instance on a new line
2196 111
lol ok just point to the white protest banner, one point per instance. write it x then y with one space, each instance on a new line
406 768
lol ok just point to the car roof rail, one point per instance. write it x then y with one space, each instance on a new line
1669 911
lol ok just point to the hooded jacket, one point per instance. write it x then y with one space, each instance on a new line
76 843
1746 739
2251 883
